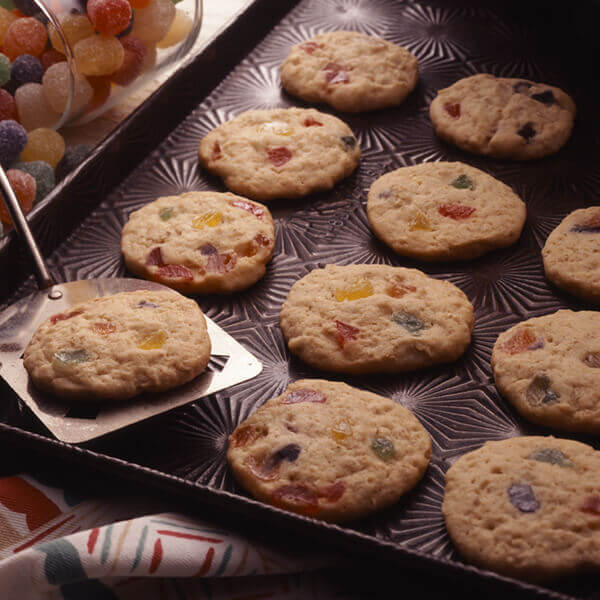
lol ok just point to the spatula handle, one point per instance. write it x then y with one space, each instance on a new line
42 274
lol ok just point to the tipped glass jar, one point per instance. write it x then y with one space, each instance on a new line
70 60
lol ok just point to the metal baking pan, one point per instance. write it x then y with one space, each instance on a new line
183 451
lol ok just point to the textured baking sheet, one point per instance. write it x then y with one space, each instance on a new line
184 450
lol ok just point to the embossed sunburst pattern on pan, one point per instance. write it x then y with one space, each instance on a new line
457 403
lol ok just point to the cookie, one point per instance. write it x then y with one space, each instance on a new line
444 211
350 71
115 347
526 507
329 450
375 319
571 256
502 117
280 153
549 369
200 242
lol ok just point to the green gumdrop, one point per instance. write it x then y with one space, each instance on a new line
72 357
552 456
411 323
539 392
383 448
463 182
4 69
166 213
43 174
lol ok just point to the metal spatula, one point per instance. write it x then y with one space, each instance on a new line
230 362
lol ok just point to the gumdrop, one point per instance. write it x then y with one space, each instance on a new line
24 36
75 27
133 60
72 356
463 182
179 30
98 55
43 174
23 186
8 106
13 139
152 23
27 7
453 110
74 155
109 17
33 108
102 89
44 144
522 497
360 288
26 69
383 448
345 333
5 68
304 395
458 212
6 19
407 321
51 57
55 83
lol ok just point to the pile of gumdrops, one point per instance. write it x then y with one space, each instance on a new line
113 43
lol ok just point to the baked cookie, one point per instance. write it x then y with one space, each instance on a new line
351 71
549 369
329 450
375 319
501 117
444 211
527 507
115 347
280 153
572 254
200 242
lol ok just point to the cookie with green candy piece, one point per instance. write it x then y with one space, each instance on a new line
280 153
549 369
115 347
375 319
526 507
330 451
444 211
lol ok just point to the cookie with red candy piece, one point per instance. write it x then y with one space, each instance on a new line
280 153
330 451
526 507
200 242
351 71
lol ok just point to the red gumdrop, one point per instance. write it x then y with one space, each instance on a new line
456 211
109 17
104 327
523 339
244 435
452 109
335 73
54 319
299 495
51 57
216 152
24 188
309 47
345 333
133 60
309 122
24 36
304 395
262 240
175 272
8 106
591 505
333 492
257 211
220 263
102 88
279 156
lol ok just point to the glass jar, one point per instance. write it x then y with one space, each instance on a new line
92 52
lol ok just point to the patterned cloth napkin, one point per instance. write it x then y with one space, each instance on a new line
55 544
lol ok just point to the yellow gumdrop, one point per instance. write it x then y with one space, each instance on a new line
44 144
181 26
276 127
75 27
341 431
6 19
154 341
361 288
209 219
420 223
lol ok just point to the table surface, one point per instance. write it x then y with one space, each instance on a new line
216 14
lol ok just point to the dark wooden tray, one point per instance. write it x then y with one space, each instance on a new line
183 451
